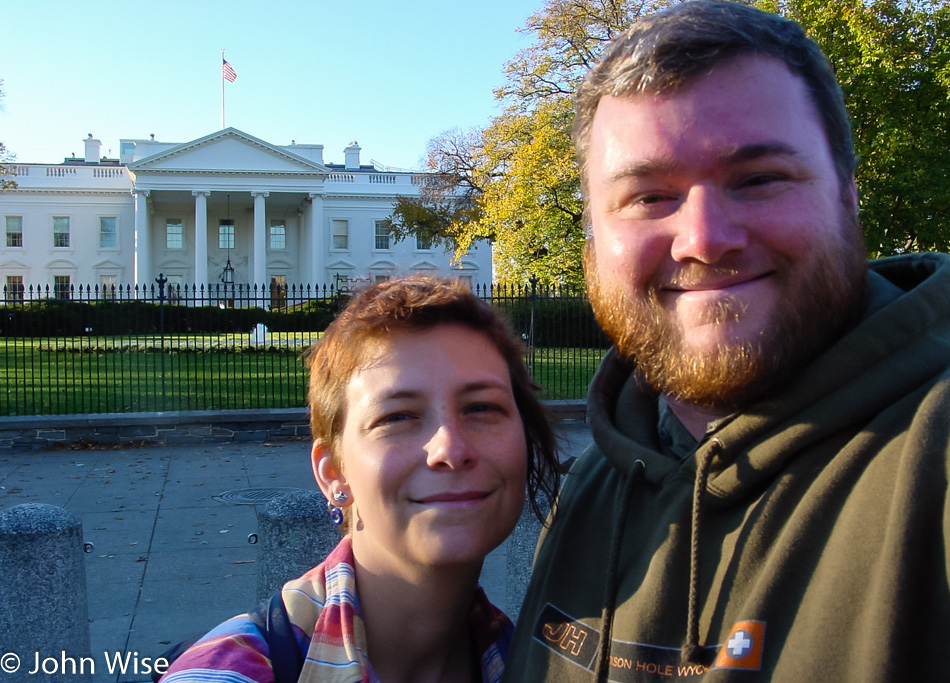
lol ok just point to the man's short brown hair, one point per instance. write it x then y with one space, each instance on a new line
666 50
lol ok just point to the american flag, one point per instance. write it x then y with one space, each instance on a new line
227 71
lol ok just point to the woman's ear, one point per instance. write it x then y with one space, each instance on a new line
329 479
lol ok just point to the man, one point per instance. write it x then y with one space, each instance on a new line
766 497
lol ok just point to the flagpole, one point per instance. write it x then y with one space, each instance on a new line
222 90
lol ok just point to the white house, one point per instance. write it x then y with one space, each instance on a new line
225 207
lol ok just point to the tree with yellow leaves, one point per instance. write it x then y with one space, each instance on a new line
516 182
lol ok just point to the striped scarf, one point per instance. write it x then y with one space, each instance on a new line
324 608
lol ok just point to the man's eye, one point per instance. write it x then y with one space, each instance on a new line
760 180
650 205
393 418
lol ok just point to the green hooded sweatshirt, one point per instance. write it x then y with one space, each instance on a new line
805 539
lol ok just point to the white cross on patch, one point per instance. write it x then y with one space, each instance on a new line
740 644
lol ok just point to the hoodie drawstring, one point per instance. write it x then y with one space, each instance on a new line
691 650
621 506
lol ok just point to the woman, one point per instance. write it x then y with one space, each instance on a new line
426 432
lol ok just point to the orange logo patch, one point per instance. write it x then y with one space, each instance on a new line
743 647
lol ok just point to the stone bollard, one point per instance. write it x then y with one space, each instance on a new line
294 534
43 608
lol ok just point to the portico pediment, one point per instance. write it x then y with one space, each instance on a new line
227 151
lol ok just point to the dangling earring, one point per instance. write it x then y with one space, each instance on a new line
336 514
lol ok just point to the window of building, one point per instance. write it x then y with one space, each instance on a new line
382 235
380 278
226 234
278 291
423 243
14 288
60 231
14 229
340 230
61 286
278 235
174 233
108 286
108 239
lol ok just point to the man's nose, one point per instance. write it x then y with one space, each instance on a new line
706 229
450 447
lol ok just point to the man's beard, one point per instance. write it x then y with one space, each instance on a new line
811 313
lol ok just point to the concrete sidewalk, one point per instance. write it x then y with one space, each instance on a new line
171 556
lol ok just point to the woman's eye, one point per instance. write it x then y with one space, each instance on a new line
487 409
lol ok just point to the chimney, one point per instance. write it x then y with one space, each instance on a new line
352 156
93 147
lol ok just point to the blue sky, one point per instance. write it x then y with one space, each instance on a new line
389 75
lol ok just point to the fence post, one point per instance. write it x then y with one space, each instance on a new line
534 299
294 535
161 280
43 606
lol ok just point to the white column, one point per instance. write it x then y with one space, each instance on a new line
317 242
201 237
260 240
302 256
143 265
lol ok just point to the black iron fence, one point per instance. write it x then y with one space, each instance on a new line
69 350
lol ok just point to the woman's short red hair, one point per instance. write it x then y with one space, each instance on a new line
419 303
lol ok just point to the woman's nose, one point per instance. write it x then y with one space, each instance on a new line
450 447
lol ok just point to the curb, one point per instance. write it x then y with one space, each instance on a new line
176 428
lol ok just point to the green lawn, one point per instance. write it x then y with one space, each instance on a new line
142 374
564 373
58 382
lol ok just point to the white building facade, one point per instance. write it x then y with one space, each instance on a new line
225 207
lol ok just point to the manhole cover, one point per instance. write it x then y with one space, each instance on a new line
257 496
